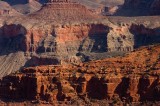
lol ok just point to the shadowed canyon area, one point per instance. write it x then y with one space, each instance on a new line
80 52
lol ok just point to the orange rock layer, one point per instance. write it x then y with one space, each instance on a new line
124 79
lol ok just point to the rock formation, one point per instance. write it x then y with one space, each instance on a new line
107 7
64 11
42 55
133 8
49 43
7 10
27 8
60 83
120 39
51 86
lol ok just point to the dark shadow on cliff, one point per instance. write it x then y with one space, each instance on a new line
147 90
15 2
23 93
12 39
96 89
97 39
132 8
145 36
36 61
122 87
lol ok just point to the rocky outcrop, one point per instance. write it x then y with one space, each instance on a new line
27 7
64 11
7 10
120 39
144 36
65 39
56 41
71 43
121 79
50 84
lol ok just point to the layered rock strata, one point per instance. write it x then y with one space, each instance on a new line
62 40
53 44
116 79
54 85
64 11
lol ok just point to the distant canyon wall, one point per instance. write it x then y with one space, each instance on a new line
71 39
39 45
134 8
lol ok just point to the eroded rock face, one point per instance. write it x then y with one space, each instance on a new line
67 41
12 47
12 38
46 42
64 11
7 10
71 43
120 39
122 79
144 36
50 84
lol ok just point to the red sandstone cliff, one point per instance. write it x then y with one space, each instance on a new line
58 34
126 80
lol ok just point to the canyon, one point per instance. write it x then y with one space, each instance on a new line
64 52
100 7
118 80
69 43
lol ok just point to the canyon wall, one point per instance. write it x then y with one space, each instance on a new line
59 44
134 8
57 35
128 79
7 10
52 84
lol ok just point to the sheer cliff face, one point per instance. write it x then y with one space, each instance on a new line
51 88
68 43
70 38
67 47
66 38
83 38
